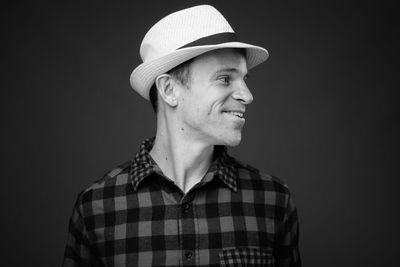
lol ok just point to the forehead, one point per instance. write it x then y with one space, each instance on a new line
215 60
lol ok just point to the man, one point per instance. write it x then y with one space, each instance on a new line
183 200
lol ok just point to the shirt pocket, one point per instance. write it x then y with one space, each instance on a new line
246 257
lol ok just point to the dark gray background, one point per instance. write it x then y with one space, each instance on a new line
323 120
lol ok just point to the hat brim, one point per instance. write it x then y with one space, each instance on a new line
143 76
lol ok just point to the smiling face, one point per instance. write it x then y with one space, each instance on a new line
212 108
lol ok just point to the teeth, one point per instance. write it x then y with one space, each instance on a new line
238 114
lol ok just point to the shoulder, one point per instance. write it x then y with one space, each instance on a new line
108 186
248 174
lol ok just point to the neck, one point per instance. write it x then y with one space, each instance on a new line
180 157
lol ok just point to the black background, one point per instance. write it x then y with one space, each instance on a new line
323 119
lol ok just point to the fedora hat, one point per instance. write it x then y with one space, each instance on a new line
183 35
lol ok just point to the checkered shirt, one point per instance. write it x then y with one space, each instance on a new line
135 216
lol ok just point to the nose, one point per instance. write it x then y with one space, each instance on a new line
243 94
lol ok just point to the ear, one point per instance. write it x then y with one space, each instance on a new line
166 89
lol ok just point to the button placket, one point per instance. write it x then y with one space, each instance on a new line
188 230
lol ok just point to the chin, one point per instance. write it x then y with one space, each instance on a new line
233 140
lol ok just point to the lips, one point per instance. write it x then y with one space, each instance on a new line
235 113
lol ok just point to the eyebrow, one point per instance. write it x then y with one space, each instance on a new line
224 70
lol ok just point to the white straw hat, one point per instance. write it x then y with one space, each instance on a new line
181 36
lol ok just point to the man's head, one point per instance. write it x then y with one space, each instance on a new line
184 35
196 67
210 106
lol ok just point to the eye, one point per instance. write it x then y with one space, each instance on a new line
225 79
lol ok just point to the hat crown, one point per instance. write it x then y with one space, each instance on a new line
181 28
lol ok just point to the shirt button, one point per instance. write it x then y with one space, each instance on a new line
188 255
186 207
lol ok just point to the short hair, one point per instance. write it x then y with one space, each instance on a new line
182 74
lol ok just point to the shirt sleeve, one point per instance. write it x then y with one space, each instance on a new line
287 252
78 249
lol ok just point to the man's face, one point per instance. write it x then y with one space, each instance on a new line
212 107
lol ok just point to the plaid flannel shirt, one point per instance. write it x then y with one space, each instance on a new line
135 216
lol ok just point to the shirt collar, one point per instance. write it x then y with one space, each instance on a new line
223 166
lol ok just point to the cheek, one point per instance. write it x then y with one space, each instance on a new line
193 113
198 110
